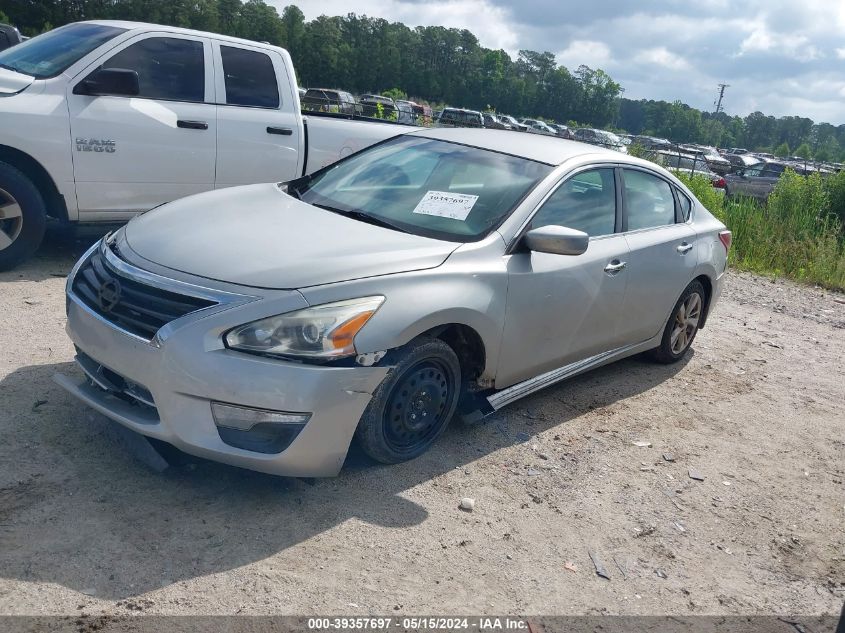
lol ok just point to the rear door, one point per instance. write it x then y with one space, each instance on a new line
564 308
259 127
131 154
662 257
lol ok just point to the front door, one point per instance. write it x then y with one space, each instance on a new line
131 154
564 308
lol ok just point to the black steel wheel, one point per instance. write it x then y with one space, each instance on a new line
413 404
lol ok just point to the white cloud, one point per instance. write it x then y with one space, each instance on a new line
795 46
662 57
588 52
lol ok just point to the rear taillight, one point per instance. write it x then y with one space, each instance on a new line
725 238
720 183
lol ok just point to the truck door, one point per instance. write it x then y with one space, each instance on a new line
259 126
131 154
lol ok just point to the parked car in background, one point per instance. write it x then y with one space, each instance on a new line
562 131
741 161
420 114
690 164
515 125
493 122
458 117
370 106
443 272
100 121
651 142
405 113
757 181
538 127
302 92
330 100
9 36
715 161
600 137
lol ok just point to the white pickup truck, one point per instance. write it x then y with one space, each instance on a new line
102 120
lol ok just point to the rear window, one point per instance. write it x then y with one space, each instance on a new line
52 53
250 78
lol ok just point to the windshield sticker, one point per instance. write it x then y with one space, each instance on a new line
446 205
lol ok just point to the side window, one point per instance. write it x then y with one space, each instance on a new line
250 78
685 205
168 68
586 202
648 200
773 171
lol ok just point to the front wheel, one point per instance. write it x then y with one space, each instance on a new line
23 217
412 406
682 326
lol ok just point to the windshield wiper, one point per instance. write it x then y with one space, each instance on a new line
362 216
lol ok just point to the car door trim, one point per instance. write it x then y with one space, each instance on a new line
529 386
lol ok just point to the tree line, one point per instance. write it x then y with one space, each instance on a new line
446 66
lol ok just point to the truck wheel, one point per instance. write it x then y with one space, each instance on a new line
23 217
413 404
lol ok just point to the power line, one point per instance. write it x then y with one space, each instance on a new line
721 94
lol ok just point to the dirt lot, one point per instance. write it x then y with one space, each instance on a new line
757 410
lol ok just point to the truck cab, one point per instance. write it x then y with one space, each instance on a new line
100 121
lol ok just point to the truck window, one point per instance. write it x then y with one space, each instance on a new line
168 68
250 78
52 53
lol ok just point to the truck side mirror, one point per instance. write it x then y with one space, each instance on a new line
118 82
557 240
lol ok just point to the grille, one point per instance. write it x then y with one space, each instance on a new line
129 304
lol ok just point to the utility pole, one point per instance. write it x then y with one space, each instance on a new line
721 94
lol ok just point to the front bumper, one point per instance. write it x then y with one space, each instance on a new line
184 371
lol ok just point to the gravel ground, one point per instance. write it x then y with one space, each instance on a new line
756 410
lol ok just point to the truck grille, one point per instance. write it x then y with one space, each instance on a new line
129 304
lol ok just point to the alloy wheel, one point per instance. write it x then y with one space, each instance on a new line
11 219
686 323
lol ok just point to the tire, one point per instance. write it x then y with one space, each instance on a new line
682 326
23 217
392 428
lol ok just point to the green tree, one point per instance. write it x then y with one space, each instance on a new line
804 151
782 150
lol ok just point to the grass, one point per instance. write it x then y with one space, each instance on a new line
797 234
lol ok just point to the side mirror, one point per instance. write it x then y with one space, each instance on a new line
118 82
557 240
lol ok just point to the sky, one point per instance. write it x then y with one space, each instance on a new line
782 57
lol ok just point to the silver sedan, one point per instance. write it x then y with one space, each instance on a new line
443 272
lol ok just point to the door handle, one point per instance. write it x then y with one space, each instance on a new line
684 248
615 267
283 131
192 125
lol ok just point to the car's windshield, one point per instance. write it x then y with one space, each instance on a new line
55 51
426 187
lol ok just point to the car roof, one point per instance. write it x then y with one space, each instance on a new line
551 150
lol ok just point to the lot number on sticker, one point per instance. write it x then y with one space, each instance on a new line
446 205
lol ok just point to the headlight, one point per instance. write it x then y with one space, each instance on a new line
322 332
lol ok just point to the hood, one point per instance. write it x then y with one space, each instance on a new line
12 82
259 236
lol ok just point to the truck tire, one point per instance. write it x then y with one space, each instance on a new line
23 217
